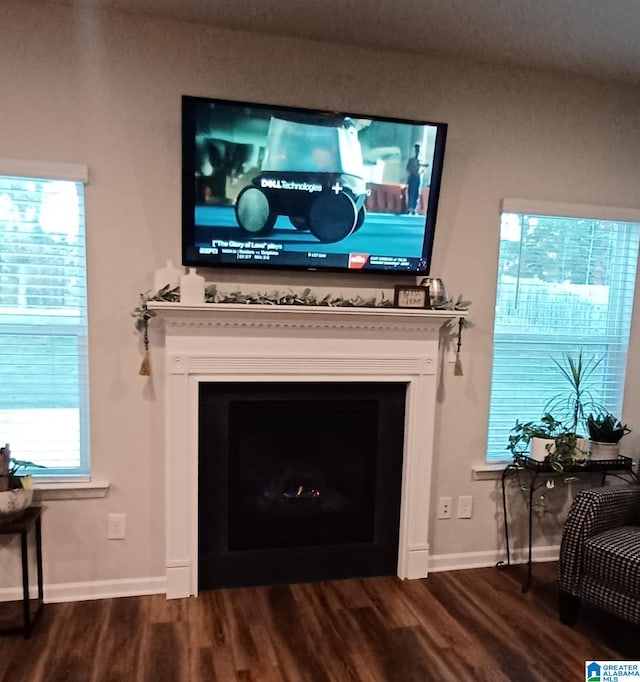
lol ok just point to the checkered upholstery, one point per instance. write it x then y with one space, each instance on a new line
600 550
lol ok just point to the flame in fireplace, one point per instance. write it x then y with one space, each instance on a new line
300 491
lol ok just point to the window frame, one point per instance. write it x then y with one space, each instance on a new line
46 170
558 210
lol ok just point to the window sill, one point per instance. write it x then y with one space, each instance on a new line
488 472
70 490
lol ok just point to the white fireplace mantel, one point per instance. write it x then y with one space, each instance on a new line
258 343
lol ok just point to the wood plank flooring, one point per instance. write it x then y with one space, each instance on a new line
462 625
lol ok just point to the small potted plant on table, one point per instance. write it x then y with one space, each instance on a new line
535 437
605 433
547 441
564 422
16 492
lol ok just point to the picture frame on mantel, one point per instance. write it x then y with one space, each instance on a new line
409 296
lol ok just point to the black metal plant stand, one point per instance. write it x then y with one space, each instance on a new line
534 469
30 520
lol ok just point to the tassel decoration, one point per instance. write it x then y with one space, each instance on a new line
457 368
145 367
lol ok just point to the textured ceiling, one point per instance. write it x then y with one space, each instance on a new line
599 37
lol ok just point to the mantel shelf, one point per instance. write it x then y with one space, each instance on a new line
321 314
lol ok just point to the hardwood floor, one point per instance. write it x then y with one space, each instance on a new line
455 626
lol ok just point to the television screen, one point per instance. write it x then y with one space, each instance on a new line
283 187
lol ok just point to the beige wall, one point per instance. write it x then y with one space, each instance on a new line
105 91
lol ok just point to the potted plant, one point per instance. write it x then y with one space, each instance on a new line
605 432
573 405
569 449
16 492
535 437
560 437
548 441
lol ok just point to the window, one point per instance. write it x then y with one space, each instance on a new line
566 280
43 317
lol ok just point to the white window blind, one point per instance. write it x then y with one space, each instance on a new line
566 281
43 318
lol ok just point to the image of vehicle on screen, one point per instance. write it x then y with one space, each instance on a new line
316 187
312 173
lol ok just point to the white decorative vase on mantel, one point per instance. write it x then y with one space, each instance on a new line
192 288
169 275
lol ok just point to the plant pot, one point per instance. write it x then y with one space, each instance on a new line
13 504
602 451
583 446
539 450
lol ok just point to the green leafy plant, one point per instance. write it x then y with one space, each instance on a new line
606 428
142 316
565 415
309 297
16 480
10 468
459 303
141 312
562 449
522 433
291 297
565 452
573 405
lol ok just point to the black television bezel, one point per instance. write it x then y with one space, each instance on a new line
188 107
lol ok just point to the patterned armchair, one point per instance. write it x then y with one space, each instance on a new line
600 553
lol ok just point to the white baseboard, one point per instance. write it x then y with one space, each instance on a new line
136 587
95 589
454 562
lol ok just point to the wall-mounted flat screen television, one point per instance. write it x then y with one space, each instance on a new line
282 187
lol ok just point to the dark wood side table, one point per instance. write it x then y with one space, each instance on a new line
22 526
538 473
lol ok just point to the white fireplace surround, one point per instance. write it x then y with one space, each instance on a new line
252 343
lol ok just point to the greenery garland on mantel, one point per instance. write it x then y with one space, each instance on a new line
168 294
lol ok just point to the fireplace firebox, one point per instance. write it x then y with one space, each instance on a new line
298 481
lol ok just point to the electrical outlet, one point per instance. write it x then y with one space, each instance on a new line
444 508
117 526
465 506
